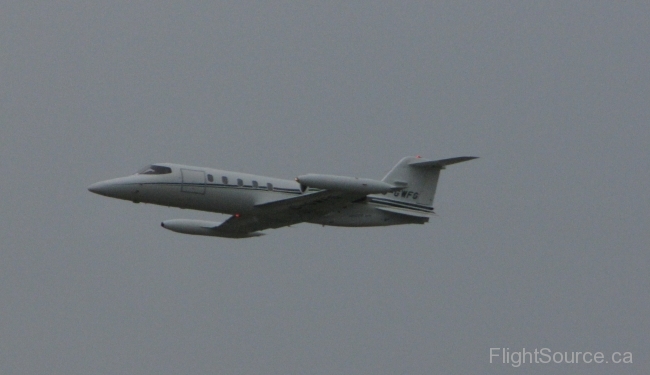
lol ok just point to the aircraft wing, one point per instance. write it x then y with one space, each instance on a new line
285 212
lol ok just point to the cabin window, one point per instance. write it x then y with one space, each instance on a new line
255 185
155 169
210 178
269 186
224 179
240 182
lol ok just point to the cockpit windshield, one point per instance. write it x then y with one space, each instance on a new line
154 169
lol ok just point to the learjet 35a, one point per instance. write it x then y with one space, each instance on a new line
403 196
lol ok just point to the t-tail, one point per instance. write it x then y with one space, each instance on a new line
419 179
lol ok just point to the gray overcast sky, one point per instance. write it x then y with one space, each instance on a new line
542 242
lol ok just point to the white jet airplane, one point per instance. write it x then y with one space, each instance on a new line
403 196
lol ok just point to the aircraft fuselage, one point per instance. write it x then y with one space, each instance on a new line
235 193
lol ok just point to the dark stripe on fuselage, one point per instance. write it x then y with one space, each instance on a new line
378 201
398 204
222 186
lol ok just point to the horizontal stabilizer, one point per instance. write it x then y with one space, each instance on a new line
440 163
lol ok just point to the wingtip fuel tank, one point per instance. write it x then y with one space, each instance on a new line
203 228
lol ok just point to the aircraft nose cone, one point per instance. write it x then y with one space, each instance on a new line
98 188
120 188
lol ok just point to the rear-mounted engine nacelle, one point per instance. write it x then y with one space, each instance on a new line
346 184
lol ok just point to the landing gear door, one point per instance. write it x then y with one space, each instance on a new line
193 181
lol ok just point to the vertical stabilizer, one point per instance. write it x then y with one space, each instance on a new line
419 178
